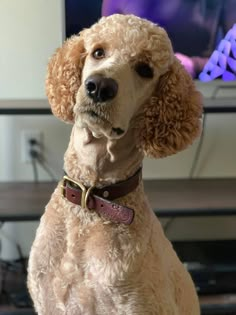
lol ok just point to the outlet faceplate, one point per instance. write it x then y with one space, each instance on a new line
26 136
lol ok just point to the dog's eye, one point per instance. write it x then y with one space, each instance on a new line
144 70
98 53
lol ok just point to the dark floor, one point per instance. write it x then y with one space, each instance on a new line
14 298
13 291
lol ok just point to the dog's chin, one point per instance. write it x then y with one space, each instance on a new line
99 126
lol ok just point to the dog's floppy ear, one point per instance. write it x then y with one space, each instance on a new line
64 77
172 117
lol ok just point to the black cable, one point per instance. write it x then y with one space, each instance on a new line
168 224
35 169
46 168
33 154
37 158
199 148
21 260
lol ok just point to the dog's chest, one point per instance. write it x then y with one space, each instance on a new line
97 258
98 252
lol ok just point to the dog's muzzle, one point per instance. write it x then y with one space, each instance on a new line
101 89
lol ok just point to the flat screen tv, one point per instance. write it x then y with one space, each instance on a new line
196 28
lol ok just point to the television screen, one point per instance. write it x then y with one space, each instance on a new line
196 28
81 14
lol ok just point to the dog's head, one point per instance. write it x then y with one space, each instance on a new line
122 73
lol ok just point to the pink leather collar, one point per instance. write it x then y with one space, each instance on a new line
101 199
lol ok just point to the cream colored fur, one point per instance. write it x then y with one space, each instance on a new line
81 264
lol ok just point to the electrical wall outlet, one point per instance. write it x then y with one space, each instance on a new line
26 137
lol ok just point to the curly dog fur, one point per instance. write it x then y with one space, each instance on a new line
81 263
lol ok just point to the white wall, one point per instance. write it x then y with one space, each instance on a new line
30 30
217 158
55 137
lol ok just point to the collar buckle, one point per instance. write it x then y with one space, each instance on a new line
77 184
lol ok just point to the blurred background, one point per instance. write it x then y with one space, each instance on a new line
30 31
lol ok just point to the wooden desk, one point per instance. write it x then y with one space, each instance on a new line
192 197
41 107
219 105
24 201
25 107
221 304
169 198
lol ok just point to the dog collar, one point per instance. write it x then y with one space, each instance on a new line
101 199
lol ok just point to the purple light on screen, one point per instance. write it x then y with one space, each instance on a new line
222 63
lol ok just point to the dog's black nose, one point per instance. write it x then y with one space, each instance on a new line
101 89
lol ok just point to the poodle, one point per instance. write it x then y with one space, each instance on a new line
99 248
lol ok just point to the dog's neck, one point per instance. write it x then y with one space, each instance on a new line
101 161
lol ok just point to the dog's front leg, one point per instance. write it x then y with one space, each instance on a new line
45 255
